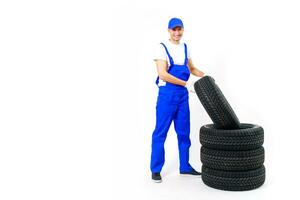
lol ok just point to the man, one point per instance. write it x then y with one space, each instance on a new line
174 65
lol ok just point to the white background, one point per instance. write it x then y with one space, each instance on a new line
77 94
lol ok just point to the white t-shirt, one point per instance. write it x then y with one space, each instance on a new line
176 51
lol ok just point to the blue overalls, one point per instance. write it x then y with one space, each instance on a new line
172 105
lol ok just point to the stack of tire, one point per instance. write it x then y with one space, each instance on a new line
232 155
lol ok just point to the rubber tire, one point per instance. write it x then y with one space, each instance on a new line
249 137
233 160
216 104
233 181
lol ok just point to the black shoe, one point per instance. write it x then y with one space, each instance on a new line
156 177
193 173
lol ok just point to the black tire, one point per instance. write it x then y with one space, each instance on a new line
216 104
232 160
249 137
233 181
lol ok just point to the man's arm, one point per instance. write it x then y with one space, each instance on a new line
194 70
161 66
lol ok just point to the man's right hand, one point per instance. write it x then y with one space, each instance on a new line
190 85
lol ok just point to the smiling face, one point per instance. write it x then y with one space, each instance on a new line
176 34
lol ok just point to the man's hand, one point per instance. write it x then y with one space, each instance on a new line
190 85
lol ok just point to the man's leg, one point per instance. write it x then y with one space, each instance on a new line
164 116
182 128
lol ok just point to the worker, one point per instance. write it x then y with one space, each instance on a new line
174 66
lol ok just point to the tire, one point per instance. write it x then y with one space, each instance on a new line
216 104
249 137
233 181
232 160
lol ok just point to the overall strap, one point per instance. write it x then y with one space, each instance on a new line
170 58
171 61
186 56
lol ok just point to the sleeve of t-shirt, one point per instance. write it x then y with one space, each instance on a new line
189 52
160 53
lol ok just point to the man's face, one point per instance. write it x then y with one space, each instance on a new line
176 33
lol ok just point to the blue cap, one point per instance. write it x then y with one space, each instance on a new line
175 22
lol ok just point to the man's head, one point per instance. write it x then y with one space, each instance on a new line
175 29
